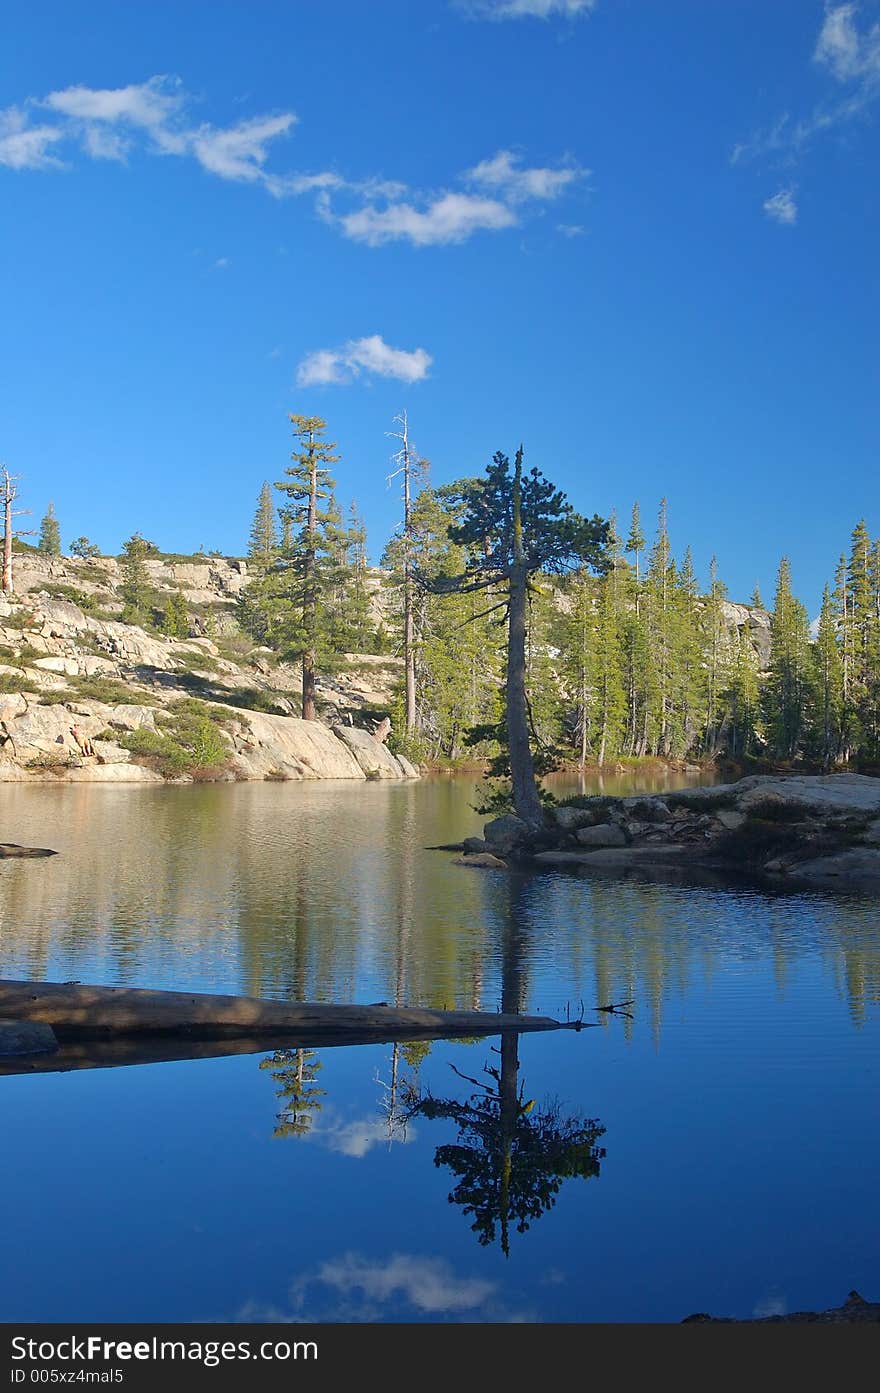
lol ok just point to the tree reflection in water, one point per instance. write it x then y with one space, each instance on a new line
510 1157
295 1073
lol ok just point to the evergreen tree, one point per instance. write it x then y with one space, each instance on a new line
174 619
84 549
743 696
456 643
788 687
289 607
606 672
716 643
135 578
516 526
263 547
659 614
50 533
635 542
827 715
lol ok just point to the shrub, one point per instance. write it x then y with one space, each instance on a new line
188 742
105 689
58 591
10 683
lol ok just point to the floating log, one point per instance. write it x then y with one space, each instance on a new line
12 849
76 1011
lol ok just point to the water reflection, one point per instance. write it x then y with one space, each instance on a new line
510 1157
327 893
295 1074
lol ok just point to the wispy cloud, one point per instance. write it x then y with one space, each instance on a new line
352 1287
525 9
840 47
503 174
366 357
25 146
154 118
450 217
852 57
239 152
570 229
782 207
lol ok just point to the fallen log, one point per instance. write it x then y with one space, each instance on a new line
76 1011
9 850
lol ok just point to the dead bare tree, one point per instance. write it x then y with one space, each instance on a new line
411 467
8 495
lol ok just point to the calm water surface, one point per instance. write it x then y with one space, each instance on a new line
718 1152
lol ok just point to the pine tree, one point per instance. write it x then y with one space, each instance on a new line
293 599
635 542
84 549
862 641
659 613
263 547
175 618
606 672
715 638
788 687
516 525
50 533
743 696
135 578
827 713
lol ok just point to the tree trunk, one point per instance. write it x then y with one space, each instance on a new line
409 649
308 685
525 790
8 496
310 597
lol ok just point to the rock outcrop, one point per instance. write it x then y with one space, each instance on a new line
76 684
821 830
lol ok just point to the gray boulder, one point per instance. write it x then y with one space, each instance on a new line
604 834
504 833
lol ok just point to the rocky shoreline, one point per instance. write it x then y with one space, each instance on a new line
821 830
86 698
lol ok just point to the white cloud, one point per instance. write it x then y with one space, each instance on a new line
239 152
428 1284
104 122
23 146
782 207
840 47
853 58
220 264
371 356
570 229
110 123
526 9
147 104
450 217
501 173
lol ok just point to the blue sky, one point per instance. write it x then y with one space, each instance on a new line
640 237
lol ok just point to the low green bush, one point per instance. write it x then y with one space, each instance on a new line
57 591
187 742
11 683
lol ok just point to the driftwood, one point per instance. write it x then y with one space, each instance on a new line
9 849
79 1012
